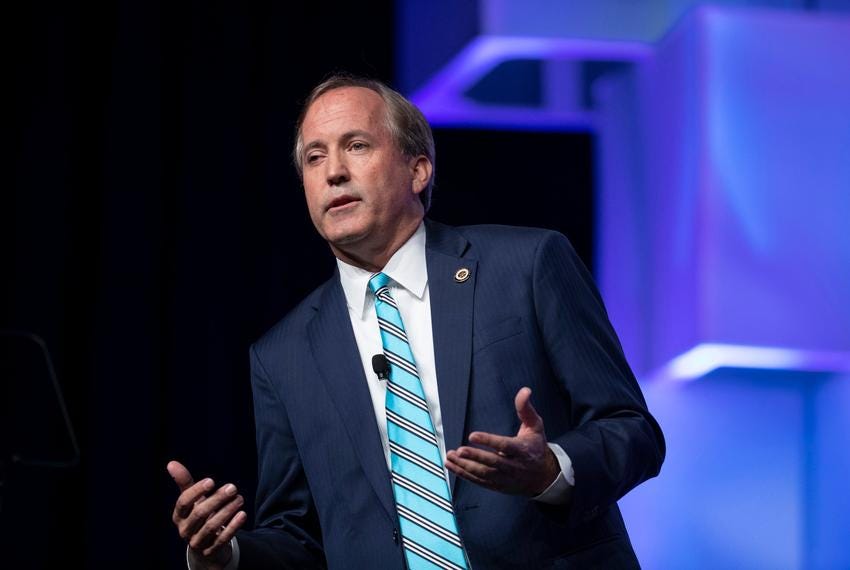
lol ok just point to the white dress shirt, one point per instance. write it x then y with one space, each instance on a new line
408 273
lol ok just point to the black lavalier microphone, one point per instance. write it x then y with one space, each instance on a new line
381 366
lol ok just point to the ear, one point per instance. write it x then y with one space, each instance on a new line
421 169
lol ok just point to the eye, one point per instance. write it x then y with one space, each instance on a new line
358 146
313 158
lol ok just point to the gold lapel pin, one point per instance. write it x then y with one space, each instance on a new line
462 274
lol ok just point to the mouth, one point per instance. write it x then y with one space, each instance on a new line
341 202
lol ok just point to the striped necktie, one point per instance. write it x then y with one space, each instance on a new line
428 527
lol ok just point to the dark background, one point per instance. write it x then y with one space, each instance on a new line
152 227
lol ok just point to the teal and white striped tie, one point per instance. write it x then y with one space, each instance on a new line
426 517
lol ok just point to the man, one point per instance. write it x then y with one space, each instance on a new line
472 321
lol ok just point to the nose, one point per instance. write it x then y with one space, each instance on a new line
337 172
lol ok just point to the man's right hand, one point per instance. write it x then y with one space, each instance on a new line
206 518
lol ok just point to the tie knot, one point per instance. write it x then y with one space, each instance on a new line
377 282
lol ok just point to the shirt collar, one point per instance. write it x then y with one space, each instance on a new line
406 267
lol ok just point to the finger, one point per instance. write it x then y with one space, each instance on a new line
485 457
480 470
207 534
206 508
525 410
507 446
227 531
464 474
190 497
180 475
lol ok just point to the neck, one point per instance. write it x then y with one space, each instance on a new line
374 257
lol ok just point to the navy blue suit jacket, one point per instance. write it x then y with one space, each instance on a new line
529 315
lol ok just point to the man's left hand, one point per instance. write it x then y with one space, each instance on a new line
520 465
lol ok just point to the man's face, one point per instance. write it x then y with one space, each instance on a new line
362 192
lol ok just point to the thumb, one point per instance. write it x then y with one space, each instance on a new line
526 412
180 475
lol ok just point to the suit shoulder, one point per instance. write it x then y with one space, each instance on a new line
501 238
499 231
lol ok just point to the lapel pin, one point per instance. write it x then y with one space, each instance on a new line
462 274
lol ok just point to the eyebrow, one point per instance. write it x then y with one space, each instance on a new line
344 138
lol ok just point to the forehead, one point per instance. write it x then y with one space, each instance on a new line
341 110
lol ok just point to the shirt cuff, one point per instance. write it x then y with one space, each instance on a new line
558 493
234 557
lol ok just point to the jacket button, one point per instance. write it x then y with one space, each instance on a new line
395 535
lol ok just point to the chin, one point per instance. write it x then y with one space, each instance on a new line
346 235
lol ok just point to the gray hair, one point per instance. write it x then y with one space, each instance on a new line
406 123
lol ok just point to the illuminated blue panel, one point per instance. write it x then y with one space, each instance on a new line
734 217
732 491
755 477
599 19
724 256
828 470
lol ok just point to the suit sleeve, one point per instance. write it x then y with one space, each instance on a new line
616 443
287 533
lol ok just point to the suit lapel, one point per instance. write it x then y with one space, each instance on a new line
338 359
451 320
